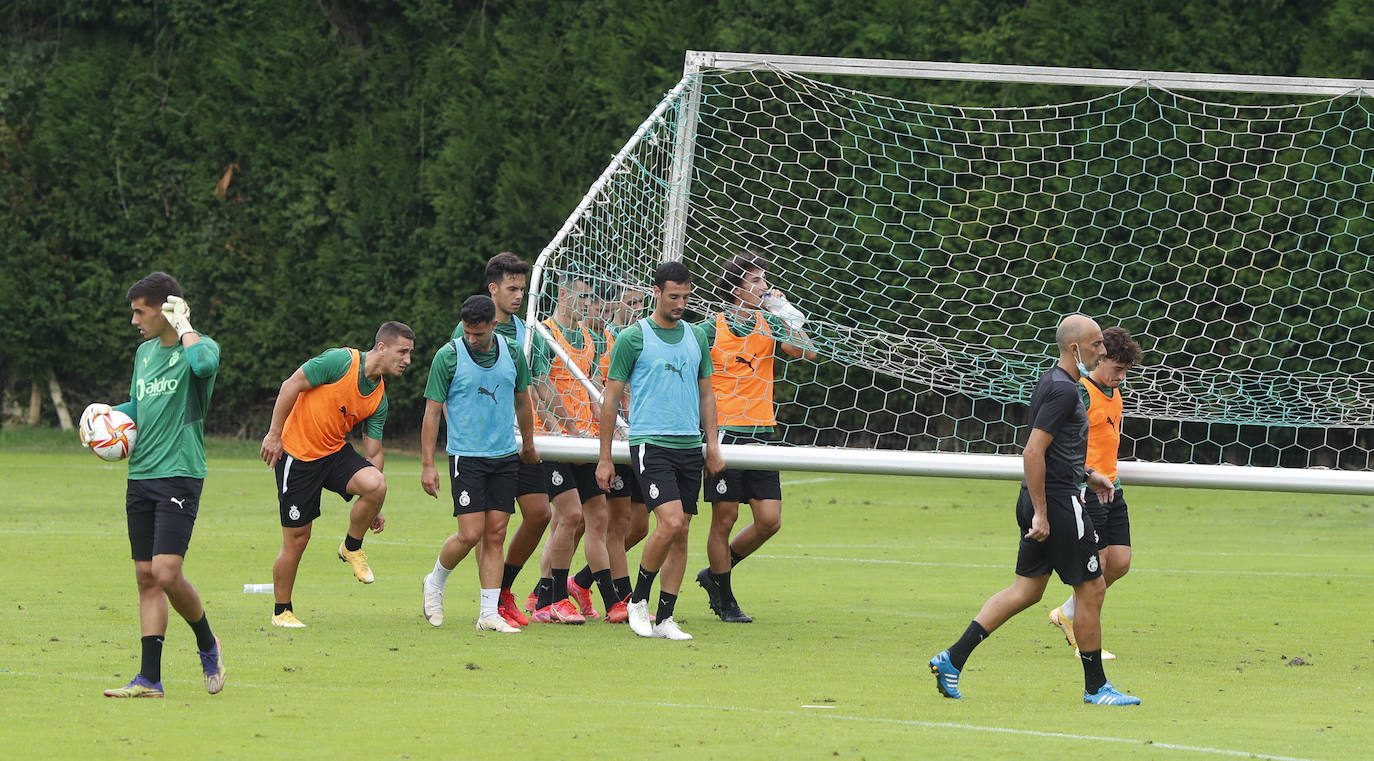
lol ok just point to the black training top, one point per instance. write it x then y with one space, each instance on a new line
1057 409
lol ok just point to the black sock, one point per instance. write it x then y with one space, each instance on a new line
622 587
643 585
959 651
205 639
151 668
1093 678
280 608
607 587
560 583
666 602
585 577
508 578
351 544
543 593
727 595
736 558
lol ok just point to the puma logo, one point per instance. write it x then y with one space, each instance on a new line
343 410
670 367
745 361
1111 423
181 503
484 392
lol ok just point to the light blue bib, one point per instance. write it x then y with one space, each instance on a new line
664 400
481 404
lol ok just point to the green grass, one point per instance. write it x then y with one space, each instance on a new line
868 579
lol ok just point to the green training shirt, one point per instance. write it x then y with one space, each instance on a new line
331 365
169 396
629 344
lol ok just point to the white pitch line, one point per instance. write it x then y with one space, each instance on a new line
1134 569
807 715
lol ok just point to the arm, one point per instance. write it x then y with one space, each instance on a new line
286 400
524 417
605 469
429 431
792 346
1101 486
202 355
706 400
1033 464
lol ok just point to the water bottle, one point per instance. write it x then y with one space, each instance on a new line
257 589
776 303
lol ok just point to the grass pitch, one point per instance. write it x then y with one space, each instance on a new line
869 577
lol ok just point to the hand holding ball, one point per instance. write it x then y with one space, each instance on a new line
110 434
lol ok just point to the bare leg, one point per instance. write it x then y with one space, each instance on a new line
293 542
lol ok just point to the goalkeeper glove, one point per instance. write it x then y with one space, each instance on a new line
84 429
178 314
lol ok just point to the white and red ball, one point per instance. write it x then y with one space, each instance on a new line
112 435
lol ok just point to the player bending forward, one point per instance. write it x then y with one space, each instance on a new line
1102 387
174 374
482 381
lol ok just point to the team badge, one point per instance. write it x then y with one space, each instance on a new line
720 486
1092 564
464 499
653 491
294 513
619 483
556 478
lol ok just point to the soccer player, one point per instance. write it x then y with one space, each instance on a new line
667 365
483 381
174 374
507 277
1057 536
572 486
315 409
1102 389
744 342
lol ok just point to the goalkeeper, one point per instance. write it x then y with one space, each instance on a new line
744 342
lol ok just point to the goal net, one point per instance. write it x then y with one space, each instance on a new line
934 247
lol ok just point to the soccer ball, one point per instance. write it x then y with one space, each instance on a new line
112 435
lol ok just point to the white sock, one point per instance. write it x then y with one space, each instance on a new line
1067 609
439 576
489 600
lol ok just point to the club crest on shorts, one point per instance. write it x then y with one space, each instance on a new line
720 486
464 499
294 513
619 483
556 478
653 491
1092 564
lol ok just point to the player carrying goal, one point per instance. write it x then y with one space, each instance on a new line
744 343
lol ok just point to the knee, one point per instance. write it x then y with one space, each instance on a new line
377 490
724 515
769 526
535 515
166 575
469 538
495 536
673 525
146 580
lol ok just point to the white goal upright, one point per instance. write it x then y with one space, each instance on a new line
1226 221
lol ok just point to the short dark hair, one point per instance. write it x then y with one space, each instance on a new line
674 272
503 264
1120 347
478 309
392 330
155 288
732 275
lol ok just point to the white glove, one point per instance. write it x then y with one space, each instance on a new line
84 429
777 304
178 314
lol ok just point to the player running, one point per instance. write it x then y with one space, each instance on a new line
315 409
744 344
666 364
482 382
174 374
1102 392
1056 535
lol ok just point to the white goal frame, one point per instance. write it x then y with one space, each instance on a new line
940 464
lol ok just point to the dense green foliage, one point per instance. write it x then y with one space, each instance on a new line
380 151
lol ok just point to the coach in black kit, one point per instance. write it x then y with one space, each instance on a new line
1056 534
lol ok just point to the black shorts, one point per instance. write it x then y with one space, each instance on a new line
483 483
668 475
299 483
565 476
732 485
534 479
1112 522
1071 548
626 485
161 513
